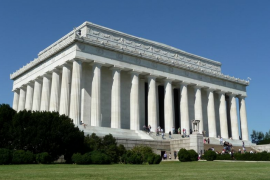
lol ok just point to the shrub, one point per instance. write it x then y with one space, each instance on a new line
193 155
223 157
22 157
77 158
86 158
132 157
210 155
183 155
157 159
144 151
5 156
100 158
43 158
151 158
264 156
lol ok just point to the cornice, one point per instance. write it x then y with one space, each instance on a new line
128 44
150 43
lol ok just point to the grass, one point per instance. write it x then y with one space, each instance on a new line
165 170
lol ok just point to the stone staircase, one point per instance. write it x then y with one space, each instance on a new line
117 133
233 142
166 136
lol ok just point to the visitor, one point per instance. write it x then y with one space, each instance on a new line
144 128
165 156
157 132
175 154
190 131
184 132
221 140
199 157
162 134
170 135
179 130
243 144
173 130
232 156
239 151
208 140
170 156
213 149
149 129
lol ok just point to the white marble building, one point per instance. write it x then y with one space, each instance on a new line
111 79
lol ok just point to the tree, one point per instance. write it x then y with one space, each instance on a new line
257 136
46 132
6 115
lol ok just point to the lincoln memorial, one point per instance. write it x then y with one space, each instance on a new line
105 78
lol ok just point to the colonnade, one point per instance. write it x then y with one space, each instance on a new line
60 90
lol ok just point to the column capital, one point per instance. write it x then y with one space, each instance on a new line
67 65
30 83
210 89
23 86
116 68
184 83
56 70
38 79
16 90
97 64
77 60
168 80
47 75
151 76
230 94
221 92
197 86
240 96
135 72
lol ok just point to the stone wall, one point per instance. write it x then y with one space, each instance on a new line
156 145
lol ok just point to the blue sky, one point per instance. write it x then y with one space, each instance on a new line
235 33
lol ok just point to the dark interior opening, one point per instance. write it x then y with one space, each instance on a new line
146 103
227 98
176 109
161 106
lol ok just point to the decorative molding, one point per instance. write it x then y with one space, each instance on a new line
139 47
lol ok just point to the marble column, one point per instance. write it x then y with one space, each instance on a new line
75 95
95 100
152 103
45 95
134 102
29 97
65 90
198 107
184 108
243 118
211 114
234 119
37 95
16 98
223 116
168 106
116 98
55 91
22 99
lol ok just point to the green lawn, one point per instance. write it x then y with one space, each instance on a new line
165 170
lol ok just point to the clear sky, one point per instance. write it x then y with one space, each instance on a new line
233 32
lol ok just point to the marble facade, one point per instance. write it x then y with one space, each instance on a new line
107 78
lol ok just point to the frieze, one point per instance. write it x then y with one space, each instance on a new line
157 52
